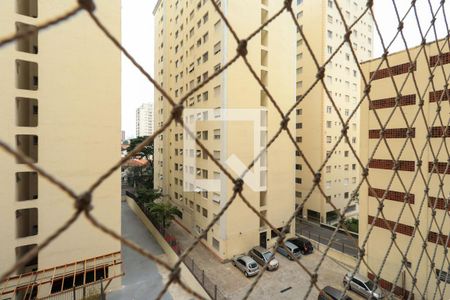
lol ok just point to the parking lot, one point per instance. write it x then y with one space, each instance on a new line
290 281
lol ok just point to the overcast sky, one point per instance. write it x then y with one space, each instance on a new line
138 32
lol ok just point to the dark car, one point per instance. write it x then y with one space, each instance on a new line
305 246
330 293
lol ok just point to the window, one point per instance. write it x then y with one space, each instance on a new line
26 75
217 91
205 212
328 124
217 48
330 3
330 34
205 38
205 18
28 145
26 186
328 169
328 139
205 57
329 49
215 244
298 180
330 19
27 8
299 2
298 167
329 109
27 43
298 125
26 222
26 112
217 25
346 153
299 111
216 134
328 184
345 181
442 276
205 96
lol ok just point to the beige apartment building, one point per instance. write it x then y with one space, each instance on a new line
191 43
318 127
60 106
420 190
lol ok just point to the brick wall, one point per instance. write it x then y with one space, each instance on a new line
441 167
438 131
436 96
391 195
387 164
387 285
445 59
390 102
393 71
439 202
393 133
401 228
441 239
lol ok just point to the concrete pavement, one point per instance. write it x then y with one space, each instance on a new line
143 278
342 242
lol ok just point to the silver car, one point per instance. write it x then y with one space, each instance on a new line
291 248
262 256
363 286
246 264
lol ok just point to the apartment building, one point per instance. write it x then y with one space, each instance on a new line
144 120
191 43
318 126
55 114
414 202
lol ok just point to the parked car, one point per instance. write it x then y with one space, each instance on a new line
262 256
363 286
330 293
305 245
246 264
291 248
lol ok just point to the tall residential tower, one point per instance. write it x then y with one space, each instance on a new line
192 43
54 112
318 126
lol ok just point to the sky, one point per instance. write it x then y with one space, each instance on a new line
138 32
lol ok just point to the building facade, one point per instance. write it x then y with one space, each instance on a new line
53 113
191 43
144 120
318 126
414 201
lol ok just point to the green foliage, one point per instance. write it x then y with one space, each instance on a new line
147 151
352 225
147 195
163 213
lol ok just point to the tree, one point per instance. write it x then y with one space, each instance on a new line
147 195
163 213
147 151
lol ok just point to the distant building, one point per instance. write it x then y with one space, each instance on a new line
144 120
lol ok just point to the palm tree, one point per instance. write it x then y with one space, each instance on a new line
164 213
